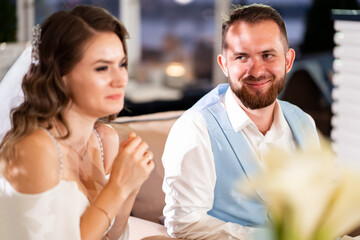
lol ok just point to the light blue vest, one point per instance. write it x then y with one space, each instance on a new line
235 161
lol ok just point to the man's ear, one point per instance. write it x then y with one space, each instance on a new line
289 59
223 64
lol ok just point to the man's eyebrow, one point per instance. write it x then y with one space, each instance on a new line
239 53
271 50
266 51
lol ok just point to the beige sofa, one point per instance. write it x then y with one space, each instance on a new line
153 128
149 203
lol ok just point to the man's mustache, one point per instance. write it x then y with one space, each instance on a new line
255 79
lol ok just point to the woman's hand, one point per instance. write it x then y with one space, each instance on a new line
132 165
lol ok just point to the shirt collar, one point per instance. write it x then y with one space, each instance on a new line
279 124
237 116
240 120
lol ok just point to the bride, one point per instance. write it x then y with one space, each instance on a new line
58 149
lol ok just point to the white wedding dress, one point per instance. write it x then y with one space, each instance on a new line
53 214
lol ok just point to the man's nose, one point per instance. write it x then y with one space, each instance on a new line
256 68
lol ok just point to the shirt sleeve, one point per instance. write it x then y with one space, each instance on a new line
189 184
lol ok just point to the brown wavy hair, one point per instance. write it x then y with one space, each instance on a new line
63 36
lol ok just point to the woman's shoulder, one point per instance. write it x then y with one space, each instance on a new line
108 134
35 167
110 142
106 130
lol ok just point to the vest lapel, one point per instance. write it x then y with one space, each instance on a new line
300 126
240 146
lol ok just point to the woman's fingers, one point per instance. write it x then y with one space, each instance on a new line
140 150
148 157
133 163
132 134
130 137
135 147
131 144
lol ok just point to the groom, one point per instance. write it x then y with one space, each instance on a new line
223 138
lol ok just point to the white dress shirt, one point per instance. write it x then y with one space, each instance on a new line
190 176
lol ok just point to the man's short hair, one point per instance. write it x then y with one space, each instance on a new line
253 13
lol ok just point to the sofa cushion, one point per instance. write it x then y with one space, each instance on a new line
154 129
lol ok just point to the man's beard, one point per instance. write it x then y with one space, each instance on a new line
256 99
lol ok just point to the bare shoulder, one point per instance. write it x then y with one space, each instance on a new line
36 165
106 131
110 141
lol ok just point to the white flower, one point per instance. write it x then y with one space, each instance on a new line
308 195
